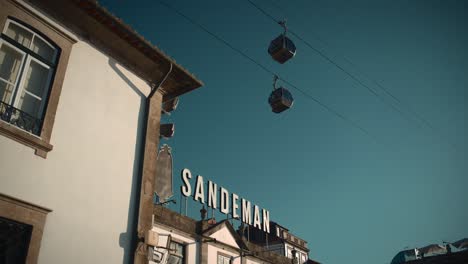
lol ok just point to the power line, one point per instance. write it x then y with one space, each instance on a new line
267 70
399 101
360 71
327 58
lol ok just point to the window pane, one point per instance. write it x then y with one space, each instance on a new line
36 79
179 250
176 253
14 241
29 104
10 63
223 259
6 91
19 34
174 260
43 50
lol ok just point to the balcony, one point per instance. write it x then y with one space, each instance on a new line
20 119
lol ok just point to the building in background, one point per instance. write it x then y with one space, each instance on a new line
450 253
281 241
460 257
178 239
449 258
81 96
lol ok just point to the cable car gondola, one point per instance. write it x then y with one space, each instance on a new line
280 99
282 48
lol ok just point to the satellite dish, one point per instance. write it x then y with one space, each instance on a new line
163 181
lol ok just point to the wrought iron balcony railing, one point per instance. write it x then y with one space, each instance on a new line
20 119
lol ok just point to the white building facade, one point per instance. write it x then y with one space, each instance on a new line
282 242
78 133
179 239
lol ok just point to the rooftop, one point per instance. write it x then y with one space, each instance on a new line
110 34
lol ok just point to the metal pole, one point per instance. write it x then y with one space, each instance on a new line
186 206
180 203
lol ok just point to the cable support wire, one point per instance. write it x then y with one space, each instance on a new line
327 58
267 70
325 43
386 91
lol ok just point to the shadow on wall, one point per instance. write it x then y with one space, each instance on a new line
128 239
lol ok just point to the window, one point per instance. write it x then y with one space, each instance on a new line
223 259
176 253
289 252
34 54
21 228
27 66
14 241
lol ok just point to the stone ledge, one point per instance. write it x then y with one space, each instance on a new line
25 204
25 138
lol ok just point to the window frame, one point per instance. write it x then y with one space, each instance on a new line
184 250
30 56
226 256
45 92
18 79
27 213
22 239
35 33
50 33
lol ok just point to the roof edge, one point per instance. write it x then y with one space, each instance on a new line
146 43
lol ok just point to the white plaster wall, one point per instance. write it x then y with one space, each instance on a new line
225 236
193 247
253 261
214 249
87 178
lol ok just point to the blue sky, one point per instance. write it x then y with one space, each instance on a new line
355 198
